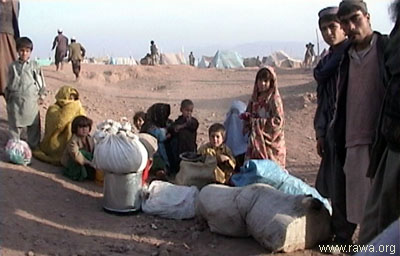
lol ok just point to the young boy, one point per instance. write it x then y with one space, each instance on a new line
216 147
330 182
138 120
24 92
183 133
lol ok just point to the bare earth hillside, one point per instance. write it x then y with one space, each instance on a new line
44 213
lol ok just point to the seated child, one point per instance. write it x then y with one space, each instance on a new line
138 120
78 154
183 134
150 143
156 125
216 147
24 93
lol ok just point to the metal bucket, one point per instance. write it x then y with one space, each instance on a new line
122 192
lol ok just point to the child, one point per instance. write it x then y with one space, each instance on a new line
78 154
216 147
156 125
184 133
150 143
24 93
138 120
264 120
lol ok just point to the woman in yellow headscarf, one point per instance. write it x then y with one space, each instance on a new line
59 118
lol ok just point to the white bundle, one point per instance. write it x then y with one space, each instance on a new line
110 126
170 201
116 153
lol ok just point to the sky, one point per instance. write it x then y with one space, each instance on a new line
125 27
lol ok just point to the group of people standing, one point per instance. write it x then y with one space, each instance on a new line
356 121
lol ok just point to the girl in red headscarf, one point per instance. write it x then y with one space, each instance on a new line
264 120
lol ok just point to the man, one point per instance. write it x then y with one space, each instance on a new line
191 59
9 32
309 55
383 205
61 42
76 54
330 180
361 89
154 53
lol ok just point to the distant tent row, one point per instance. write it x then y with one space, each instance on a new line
221 60
229 59
122 61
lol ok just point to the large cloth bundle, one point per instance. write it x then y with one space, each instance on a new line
220 210
170 201
268 172
18 152
59 117
278 221
120 154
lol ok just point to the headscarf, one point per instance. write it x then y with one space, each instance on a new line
271 94
63 96
157 115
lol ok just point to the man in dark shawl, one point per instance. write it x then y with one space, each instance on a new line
330 181
383 204
361 89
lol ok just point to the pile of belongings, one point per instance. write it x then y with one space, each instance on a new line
278 221
18 152
122 158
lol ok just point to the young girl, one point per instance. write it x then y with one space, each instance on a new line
78 154
264 120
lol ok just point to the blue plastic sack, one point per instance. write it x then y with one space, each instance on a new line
268 172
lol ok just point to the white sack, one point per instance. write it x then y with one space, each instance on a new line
217 205
170 201
120 154
283 222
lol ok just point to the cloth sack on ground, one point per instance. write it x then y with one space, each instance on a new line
18 152
120 154
57 132
217 205
283 222
198 173
170 201
268 172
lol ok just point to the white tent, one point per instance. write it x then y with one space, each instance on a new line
227 59
282 60
172 59
122 61
205 62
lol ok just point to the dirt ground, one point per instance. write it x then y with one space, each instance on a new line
44 213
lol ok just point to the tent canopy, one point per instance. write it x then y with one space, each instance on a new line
282 60
172 59
227 59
